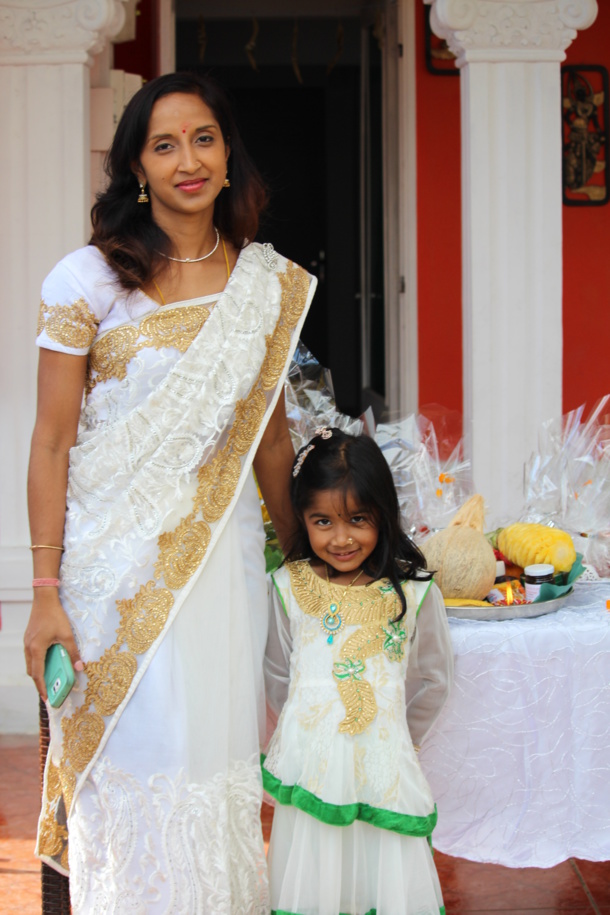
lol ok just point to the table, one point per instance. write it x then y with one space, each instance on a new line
519 760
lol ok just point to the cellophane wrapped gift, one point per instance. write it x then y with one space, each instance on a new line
310 400
567 481
431 487
432 477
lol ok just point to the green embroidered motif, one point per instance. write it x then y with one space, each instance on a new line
395 635
350 669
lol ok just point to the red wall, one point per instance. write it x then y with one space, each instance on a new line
439 251
140 56
586 246
586 262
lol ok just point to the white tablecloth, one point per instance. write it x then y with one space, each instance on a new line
519 761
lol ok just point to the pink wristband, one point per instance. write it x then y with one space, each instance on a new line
45 583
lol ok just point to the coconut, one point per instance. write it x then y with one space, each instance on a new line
462 559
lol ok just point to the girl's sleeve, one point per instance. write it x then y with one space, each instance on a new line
278 650
430 670
71 306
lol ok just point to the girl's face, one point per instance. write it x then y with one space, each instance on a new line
341 533
184 158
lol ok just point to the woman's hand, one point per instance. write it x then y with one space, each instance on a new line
61 380
48 624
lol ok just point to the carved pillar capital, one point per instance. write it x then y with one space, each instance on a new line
56 31
510 30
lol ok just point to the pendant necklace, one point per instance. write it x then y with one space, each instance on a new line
193 260
331 621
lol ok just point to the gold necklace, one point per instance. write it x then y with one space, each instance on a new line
331 621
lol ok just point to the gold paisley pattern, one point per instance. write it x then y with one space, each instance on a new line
82 733
273 364
68 787
217 483
248 417
109 679
174 327
181 551
371 608
110 356
361 605
72 325
144 616
356 692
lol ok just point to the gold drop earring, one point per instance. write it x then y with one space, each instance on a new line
226 182
143 196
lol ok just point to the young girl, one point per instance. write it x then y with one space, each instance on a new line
353 607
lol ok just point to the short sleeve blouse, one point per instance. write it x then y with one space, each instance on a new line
78 297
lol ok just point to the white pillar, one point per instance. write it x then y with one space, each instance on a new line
45 52
510 54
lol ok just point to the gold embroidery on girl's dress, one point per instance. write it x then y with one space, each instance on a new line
369 607
362 604
174 327
72 325
356 692
144 616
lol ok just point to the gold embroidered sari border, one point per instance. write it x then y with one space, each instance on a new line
181 553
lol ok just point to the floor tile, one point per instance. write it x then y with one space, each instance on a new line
470 887
596 875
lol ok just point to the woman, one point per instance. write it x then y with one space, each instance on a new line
180 334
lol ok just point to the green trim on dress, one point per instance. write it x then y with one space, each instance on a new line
345 814
423 598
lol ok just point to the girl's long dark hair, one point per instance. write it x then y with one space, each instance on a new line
355 465
124 229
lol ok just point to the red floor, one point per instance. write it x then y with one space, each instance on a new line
571 887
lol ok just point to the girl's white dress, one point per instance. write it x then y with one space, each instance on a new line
354 812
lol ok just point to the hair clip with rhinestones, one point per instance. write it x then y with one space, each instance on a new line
323 432
299 461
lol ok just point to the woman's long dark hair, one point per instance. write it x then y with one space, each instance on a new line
355 465
124 229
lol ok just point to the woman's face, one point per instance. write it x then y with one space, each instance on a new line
184 158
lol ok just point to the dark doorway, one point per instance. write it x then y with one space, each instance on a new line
305 137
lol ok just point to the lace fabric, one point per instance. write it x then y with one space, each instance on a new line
156 848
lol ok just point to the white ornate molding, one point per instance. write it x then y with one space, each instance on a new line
521 30
56 31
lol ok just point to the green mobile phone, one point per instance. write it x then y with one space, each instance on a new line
58 674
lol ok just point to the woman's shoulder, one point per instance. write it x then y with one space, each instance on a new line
86 265
77 295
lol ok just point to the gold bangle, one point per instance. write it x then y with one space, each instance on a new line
46 546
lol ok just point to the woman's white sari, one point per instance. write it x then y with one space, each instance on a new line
153 765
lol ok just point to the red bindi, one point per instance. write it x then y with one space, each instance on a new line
184 130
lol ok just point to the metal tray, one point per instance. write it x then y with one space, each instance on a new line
513 612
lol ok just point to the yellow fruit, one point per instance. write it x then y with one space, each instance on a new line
528 544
